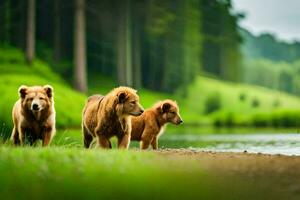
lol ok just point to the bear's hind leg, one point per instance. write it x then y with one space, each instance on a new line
103 142
87 138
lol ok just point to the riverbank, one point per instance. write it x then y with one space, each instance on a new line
76 173
275 176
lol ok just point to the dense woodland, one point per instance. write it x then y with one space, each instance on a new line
159 45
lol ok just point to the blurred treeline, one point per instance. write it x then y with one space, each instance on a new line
155 44
270 62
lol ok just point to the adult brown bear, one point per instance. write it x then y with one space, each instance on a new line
34 115
110 115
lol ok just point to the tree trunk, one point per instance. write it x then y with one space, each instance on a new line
7 22
30 40
137 74
56 34
121 56
124 45
80 47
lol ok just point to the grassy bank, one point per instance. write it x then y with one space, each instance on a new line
28 173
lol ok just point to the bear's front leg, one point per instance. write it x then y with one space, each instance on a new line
15 136
123 142
22 133
146 140
47 135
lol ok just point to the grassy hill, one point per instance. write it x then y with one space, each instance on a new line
209 101
243 103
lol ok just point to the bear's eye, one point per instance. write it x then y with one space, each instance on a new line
41 98
30 99
133 102
173 112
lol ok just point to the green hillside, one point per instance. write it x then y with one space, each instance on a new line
208 100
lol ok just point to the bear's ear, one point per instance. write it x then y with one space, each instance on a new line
165 107
49 90
122 97
23 91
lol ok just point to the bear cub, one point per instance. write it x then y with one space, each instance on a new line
150 125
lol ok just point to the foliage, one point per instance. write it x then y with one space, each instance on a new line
243 96
164 39
276 75
255 102
267 46
221 55
213 103
279 118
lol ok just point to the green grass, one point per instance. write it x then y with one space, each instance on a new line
68 173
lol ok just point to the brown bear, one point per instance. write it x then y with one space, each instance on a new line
110 115
34 115
150 125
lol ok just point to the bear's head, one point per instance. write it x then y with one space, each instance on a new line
36 98
169 111
128 102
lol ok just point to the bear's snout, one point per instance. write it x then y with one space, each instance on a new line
141 111
35 107
179 121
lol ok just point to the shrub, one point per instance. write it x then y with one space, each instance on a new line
255 102
279 118
243 97
286 118
225 119
213 103
261 120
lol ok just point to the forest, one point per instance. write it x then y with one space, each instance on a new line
158 45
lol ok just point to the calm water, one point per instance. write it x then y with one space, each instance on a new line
286 142
269 141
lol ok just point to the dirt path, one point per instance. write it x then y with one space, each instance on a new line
276 174
240 162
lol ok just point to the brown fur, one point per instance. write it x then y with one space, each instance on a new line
150 125
34 115
110 115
